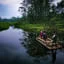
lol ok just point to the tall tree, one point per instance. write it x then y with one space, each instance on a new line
35 9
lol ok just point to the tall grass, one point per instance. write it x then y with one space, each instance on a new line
5 25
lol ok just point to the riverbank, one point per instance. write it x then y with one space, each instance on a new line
32 27
38 27
5 25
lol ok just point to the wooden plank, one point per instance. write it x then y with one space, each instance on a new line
48 43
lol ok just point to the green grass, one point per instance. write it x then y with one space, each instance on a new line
32 27
5 25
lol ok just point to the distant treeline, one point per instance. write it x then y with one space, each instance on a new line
11 19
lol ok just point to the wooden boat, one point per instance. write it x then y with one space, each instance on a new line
48 43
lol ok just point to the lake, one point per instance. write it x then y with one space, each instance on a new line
20 47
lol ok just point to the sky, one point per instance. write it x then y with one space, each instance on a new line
55 2
9 8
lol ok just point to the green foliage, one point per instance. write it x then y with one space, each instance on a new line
35 9
5 25
31 27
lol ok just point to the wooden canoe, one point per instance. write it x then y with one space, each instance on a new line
48 43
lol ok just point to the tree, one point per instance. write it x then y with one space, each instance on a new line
0 19
35 9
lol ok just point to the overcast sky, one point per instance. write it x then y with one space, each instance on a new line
55 2
9 8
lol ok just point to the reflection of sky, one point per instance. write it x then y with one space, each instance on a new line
11 49
13 52
9 8
10 39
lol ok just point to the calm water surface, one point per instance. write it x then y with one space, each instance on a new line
17 48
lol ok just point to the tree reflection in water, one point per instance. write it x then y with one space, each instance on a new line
53 56
35 49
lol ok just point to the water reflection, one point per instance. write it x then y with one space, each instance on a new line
20 47
11 50
33 47
53 56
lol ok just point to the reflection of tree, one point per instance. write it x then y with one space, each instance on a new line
53 56
33 47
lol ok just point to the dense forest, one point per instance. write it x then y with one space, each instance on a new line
36 11
43 12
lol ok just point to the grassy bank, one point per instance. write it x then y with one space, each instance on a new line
39 27
5 25
32 27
